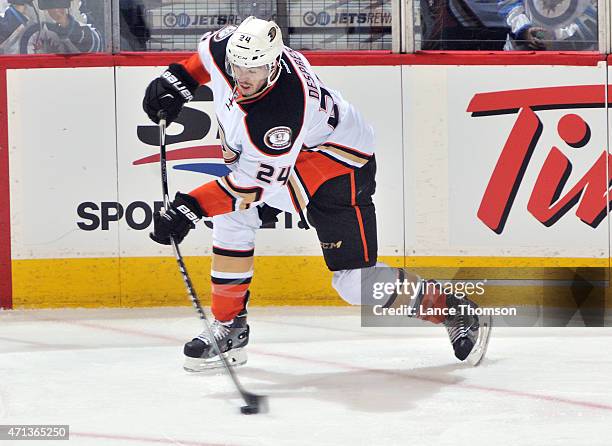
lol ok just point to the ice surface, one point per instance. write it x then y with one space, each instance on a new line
116 377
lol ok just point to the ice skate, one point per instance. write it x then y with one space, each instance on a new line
468 333
232 336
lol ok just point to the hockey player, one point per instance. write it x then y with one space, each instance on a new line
292 144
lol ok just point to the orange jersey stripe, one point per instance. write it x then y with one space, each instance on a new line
314 169
194 67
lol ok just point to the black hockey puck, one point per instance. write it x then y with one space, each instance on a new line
254 404
249 410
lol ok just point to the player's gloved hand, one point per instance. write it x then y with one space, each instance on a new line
177 220
535 38
169 92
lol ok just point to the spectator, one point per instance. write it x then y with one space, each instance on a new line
133 28
462 25
45 26
93 13
545 26
12 26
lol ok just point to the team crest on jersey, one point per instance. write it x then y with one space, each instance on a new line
278 138
224 32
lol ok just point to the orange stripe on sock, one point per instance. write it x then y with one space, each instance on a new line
227 300
227 290
432 299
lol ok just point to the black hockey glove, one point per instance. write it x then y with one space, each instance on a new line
177 220
169 92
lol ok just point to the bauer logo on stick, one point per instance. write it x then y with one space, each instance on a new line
278 138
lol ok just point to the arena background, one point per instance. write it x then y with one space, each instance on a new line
81 178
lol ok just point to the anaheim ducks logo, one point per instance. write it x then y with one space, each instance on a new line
554 14
278 138
272 33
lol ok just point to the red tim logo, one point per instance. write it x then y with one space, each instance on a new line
548 202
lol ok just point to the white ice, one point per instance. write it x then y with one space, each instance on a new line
116 377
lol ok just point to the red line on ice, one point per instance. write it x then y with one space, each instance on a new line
144 439
438 381
535 396
117 330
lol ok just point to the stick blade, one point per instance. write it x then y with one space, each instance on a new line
255 404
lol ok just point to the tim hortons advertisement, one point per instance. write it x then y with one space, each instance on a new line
528 165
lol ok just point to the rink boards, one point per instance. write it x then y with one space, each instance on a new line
480 164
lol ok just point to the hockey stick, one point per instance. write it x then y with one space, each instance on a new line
254 403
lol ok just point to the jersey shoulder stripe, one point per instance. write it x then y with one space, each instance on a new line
217 44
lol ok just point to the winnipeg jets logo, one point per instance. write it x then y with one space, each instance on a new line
555 13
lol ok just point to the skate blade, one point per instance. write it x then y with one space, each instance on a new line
235 357
480 349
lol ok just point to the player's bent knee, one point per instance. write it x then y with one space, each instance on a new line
355 285
347 284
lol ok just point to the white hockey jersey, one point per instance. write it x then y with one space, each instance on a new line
263 138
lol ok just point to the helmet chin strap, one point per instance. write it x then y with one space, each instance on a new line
274 72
